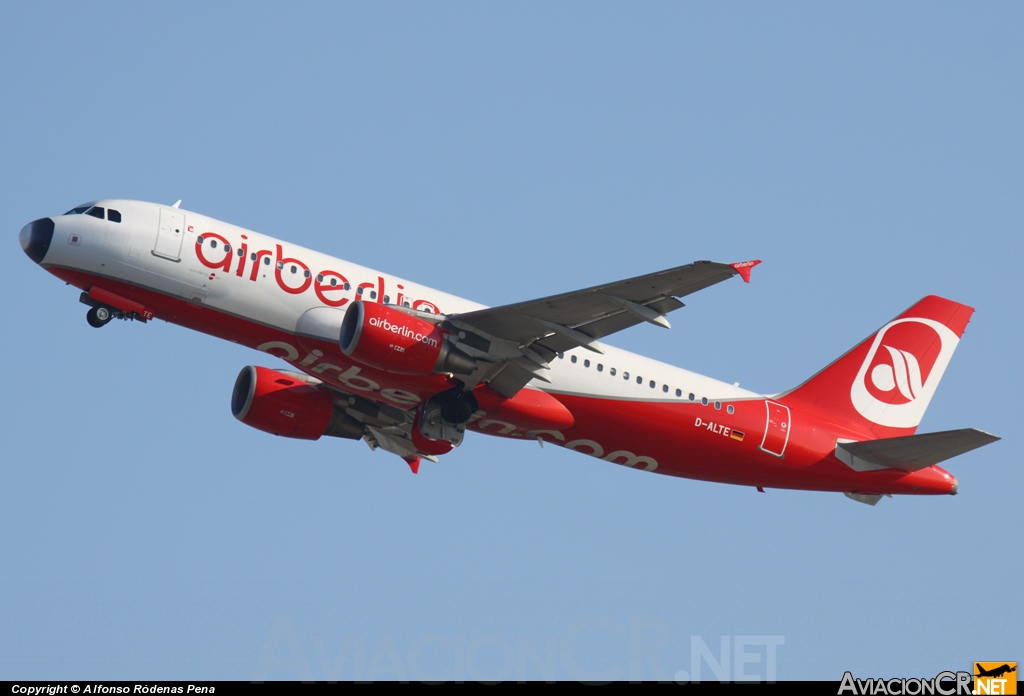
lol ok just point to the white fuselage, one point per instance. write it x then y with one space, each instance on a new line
263 280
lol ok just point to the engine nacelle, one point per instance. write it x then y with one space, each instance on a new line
283 405
389 339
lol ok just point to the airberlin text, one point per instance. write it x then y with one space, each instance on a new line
404 331
349 378
716 428
329 286
943 684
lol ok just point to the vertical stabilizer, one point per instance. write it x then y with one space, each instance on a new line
883 386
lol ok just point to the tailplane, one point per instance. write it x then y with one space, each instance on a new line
911 452
883 386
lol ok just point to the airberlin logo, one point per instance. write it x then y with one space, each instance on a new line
904 373
403 331
294 276
901 371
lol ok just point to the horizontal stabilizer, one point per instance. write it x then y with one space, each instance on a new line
911 452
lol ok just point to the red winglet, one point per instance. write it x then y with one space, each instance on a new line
414 464
743 268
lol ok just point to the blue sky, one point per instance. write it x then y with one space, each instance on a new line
869 153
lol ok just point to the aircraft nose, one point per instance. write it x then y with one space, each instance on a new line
35 238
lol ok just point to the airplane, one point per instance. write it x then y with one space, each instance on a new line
996 671
409 369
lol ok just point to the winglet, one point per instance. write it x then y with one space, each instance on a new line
744 267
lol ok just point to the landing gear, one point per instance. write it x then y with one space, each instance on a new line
100 313
443 417
456 405
98 316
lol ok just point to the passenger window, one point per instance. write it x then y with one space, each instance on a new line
252 257
347 286
718 405
572 358
730 410
652 384
213 243
387 300
319 277
227 248
280 265
95 211
586 363
295 269
679 392
200 240
639 380
664 388
692 397
334 282
266 261
625 375
611 371
113 215
373 294
704 401
241 253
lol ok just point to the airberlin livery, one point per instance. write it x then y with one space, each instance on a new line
409 369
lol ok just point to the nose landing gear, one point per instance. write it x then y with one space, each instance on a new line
100 314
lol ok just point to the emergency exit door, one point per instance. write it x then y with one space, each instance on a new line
776 432
170 234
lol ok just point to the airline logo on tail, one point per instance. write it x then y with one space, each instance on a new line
901 371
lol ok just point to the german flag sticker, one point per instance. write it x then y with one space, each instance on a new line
737 435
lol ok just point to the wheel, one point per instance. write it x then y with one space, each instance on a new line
98 316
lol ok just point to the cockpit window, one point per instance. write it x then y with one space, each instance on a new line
77 211
95 211
113 215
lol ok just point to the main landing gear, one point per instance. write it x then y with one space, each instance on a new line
444 416
98 316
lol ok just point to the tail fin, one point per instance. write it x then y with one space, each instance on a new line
884 385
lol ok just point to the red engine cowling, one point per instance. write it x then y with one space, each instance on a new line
279 404
391 340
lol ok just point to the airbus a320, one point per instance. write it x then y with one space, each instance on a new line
409 369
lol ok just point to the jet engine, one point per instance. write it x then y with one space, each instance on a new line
284 405
391 340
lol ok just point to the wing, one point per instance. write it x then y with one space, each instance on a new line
514 344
